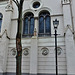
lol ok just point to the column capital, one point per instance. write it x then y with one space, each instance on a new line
35 17
64 2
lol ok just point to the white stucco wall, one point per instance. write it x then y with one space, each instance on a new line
43 64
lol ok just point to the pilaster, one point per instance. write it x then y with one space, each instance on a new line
70 52
33 56
5 41
36 25
66 12
69 40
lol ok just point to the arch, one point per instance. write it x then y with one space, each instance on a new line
26 11
44 9
1 16
44 23
28 24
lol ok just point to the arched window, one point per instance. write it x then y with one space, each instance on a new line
44 24
28 28
1 16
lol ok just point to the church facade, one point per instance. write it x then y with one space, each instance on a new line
38 40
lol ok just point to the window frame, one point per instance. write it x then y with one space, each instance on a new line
29 24
44 18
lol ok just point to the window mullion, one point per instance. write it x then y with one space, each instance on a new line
28 25
44 25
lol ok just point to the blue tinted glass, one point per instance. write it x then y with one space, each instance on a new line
44 13
0 24
25 28
36 5
47 24
41 25
31 25
1 16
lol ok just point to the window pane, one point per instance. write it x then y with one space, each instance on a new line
36 5
25 28
31 25
41 25
1 16
28 28
47 24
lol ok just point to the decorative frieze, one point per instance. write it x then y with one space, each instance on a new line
25 51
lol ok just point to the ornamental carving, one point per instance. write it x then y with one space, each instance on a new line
45 51
59 50
25 51
9 7
13 52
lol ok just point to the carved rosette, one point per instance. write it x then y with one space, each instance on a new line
59 50
13 52
45 51
25 51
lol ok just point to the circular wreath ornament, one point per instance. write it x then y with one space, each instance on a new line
45 51
13 51
26 51
59 50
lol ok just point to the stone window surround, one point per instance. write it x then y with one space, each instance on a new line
32 2
36 16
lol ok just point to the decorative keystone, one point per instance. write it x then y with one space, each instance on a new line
65 1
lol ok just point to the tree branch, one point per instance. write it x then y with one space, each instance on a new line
21 1
16 2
